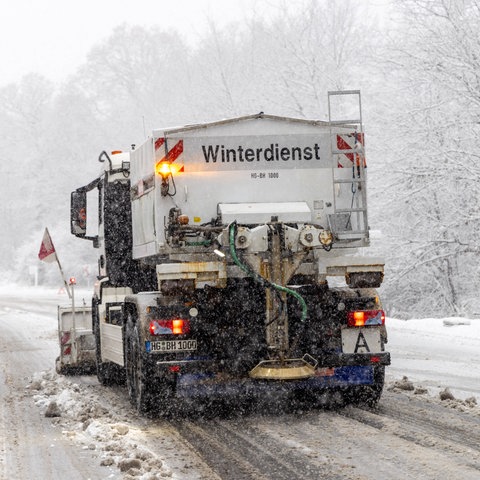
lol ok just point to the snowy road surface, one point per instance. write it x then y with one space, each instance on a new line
30 446
411 435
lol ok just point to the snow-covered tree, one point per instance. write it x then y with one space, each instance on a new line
136 79
431 158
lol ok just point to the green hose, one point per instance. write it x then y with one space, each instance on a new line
258 278
206 243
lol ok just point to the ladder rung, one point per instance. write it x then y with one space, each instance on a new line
350 210
352 180
350 235
331 93
341 131
345 122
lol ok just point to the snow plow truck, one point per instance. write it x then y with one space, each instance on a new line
218 244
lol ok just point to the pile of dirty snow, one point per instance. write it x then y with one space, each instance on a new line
440 396
85 417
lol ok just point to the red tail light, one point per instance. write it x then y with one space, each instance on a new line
174 326
361 318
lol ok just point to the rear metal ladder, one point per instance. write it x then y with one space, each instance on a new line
348 223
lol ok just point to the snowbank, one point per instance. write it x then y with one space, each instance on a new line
82 410
437 353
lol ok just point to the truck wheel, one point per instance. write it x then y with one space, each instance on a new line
377 388
368 395
104 373
136 368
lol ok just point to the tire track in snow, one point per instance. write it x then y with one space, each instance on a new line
239 452
426 424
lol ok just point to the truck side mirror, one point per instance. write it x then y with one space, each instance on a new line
78 216
78 213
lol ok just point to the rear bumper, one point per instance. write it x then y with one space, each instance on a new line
214 386
198 378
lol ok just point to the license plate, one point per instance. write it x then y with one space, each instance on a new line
165 346
361 340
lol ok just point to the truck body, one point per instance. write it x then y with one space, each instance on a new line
218 244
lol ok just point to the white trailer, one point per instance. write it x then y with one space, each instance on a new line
76 340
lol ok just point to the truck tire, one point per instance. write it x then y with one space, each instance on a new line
377 388
104 370
136 368
368 395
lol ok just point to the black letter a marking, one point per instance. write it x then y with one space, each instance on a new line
361 343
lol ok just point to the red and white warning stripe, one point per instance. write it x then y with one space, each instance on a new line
351 141
173 154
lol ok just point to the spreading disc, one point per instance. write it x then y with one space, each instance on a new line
292 369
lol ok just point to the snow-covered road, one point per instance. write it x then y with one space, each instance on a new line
97 435
30 447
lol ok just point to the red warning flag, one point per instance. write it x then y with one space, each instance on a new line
47 250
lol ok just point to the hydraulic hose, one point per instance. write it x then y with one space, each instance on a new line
258 278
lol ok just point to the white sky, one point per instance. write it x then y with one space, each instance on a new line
52 37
